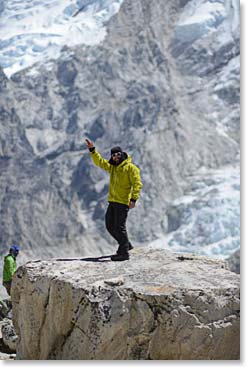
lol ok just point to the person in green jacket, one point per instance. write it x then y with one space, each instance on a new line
9 267
124 190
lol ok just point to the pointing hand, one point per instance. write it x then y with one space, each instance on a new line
89 143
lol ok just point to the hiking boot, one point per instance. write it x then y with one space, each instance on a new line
120 257
129 248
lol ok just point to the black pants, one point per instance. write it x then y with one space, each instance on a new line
115 221
7 285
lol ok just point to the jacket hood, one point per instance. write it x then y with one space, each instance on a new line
125 159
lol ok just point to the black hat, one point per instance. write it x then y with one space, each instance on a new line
116 150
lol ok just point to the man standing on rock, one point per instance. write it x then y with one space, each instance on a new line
124 189
9 267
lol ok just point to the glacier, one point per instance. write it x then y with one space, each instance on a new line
206 220
36 31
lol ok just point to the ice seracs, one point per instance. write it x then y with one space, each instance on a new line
33 32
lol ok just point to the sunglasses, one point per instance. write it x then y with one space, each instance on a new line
118 154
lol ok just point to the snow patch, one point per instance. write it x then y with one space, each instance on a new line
198 19
42 140
208 13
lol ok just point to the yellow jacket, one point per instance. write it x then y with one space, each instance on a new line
125 180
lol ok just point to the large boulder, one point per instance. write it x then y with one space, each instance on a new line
158 305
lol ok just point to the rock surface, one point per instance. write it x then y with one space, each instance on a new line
7 356
5 308
158 305
234 262
8 334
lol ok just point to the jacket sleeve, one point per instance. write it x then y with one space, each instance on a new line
135 180
9 268
100 161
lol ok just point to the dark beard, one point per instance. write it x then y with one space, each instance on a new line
115 163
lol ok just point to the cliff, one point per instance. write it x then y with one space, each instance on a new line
158 305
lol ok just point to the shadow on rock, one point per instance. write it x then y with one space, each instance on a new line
105 258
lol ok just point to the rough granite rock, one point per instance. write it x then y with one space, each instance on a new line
5 356
5 308
8 334
234 262
158 305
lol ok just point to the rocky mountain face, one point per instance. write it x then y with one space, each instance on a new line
163 84
158 306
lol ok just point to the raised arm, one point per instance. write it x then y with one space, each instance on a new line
97 158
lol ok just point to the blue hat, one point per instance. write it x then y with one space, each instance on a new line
15 248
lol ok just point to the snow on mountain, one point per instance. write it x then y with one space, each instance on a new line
201 17
206 219
35 31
